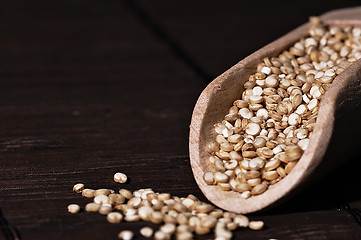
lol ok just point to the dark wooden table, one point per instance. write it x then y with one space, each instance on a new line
92 87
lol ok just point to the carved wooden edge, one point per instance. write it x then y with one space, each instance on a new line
213 98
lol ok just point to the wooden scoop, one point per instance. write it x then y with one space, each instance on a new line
336 135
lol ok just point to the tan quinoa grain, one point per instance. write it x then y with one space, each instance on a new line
88 193
78 188
126 235
92 207
114 217
256 225
146 232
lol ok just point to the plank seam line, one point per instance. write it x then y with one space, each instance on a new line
9 232
354 212
164 36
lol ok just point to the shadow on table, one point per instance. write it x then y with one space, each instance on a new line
333 191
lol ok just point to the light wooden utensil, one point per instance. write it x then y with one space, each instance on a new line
335 137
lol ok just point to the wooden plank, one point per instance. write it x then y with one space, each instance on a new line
85 91
218 35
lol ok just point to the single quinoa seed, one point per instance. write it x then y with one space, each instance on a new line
256 225
126 235
73 208
120 177
92 207
78 188
114 217
146 232
265 132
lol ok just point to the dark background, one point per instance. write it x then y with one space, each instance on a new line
92 87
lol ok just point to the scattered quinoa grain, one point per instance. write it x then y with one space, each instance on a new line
92 207
159 235
88 193
105 209
114 217
101 199
120 177
146 232
126 235
102 191
179 216
73 208
78 188
126 193
256 225
184 236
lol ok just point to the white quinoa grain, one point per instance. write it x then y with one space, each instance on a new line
114 217
146 232
120 177
73 208
126 235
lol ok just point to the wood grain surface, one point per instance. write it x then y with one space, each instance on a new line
89 88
